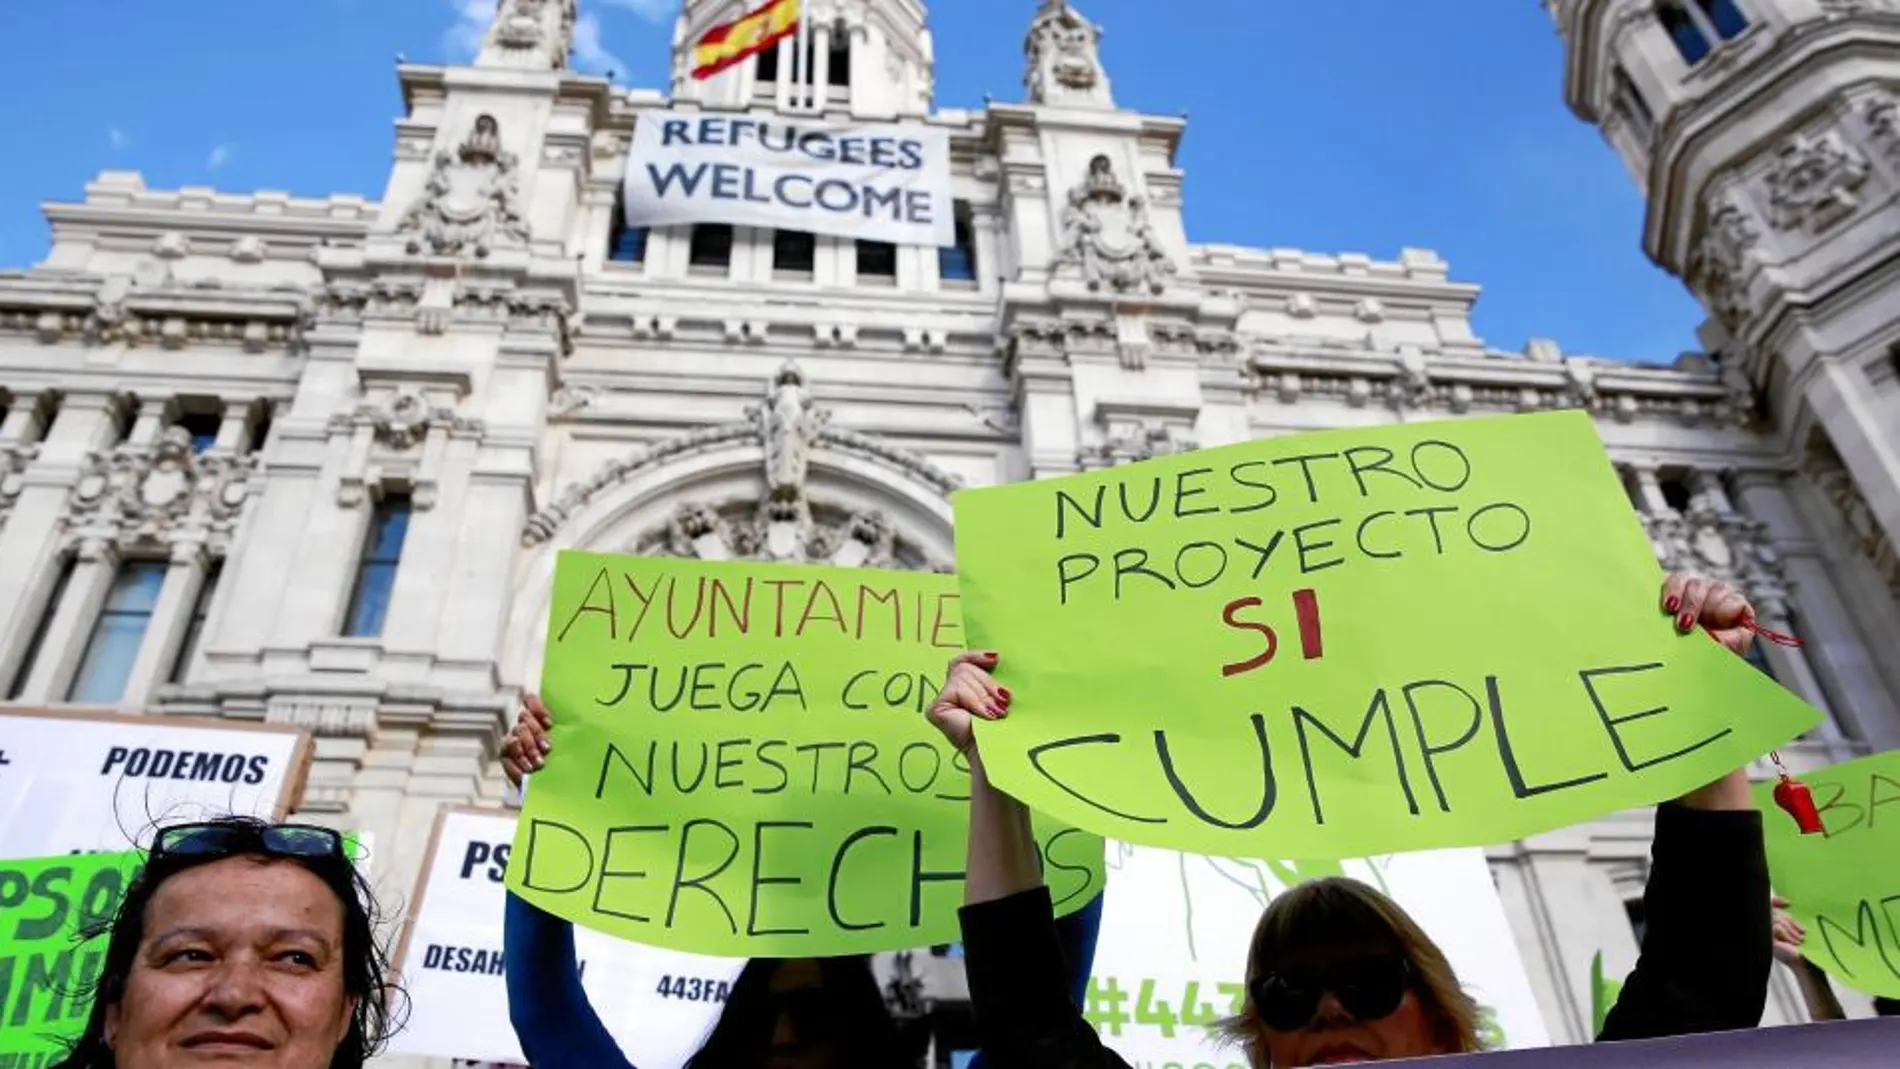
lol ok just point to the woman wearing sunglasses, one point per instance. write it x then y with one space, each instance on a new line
240 943
822 1013
1337 972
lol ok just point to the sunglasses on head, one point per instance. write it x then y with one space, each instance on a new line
305 841
1368 988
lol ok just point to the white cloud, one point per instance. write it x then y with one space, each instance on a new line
463 39
650 10
117 138
589 53
220 156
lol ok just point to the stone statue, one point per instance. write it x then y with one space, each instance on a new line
1064 60
471 202
791 424
1108 237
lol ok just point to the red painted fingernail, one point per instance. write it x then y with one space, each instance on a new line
1004 691
1672 604
997 712
1685 621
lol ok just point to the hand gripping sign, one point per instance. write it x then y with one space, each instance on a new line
1348 643
741 765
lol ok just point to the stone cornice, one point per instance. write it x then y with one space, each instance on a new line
1676 186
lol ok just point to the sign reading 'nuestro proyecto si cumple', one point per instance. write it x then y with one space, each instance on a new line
885 182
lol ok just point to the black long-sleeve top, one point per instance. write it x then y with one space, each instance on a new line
1706 956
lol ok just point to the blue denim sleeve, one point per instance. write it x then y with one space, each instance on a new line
555 1023
1078 933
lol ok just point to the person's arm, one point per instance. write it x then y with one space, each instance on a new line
555 1023
1021 985
1816 993
1707 949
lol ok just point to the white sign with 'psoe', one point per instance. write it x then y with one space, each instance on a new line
79 781
875 181
657 1004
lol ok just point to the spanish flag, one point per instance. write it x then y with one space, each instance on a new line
750 34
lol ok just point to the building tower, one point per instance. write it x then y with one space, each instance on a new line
872 59
1765 135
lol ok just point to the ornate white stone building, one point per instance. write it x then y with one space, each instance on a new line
309 461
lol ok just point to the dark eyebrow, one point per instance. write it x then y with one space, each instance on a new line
275 935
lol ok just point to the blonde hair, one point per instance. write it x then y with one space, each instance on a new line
1344 913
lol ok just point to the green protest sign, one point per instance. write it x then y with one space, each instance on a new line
46 970
741 765
1844 885
1348 643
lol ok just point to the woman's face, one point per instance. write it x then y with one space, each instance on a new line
1334 1037
241 964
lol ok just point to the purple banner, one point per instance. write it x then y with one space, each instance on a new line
1837 1045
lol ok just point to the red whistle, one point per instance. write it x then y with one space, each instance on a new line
1793 796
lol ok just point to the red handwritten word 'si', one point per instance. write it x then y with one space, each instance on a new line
1305 611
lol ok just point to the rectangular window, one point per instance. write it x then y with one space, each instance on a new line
1629 100
376 572
195 629
120 631
767 69
711 249
958 262
1893 359
877 262
1687 36
625 244
1725 16
839 72
203 428
39 633
794 253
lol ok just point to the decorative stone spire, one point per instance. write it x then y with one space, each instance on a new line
529 35
1065 59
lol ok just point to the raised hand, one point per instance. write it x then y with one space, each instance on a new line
969 692
1713 605
528 745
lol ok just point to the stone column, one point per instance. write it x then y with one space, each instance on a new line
1649 495
1790 664
171 618
1857 434
71 626
30 541
234 428
23 422
1857 693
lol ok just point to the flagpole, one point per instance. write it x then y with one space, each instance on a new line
804 67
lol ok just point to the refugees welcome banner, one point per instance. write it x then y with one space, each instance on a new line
1349 643
878 181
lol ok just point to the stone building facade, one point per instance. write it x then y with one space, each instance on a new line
308 461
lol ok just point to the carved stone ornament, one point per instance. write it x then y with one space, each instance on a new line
1718 543
1064 55
542 27
1813 183
1143 440
1864 532
471 203
1881 113
14 458
571 399
1840 9
781 520
402 420
160 493
1723 260
1106 236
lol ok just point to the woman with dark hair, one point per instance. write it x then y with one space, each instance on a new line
240 942
782 1013
1336 971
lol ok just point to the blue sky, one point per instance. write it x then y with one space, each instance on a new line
1335 126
